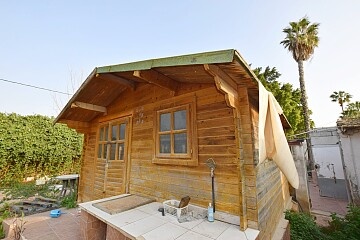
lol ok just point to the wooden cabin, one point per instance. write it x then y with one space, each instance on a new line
150 126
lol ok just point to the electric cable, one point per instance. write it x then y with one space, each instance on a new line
32 86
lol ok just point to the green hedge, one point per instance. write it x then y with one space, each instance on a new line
33 146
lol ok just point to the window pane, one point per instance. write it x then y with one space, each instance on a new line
180 143
101 134
113 133
165 143
180 119
112 151
106 133
165 122
105 151
100 151
122 131
121 151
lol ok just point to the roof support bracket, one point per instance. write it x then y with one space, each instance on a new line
81 127
156 78
89 106
224 84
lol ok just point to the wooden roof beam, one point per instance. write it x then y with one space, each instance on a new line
110 76
156 78
224 84
81 127
214 70
89 106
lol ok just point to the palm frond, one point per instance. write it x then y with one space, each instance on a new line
301 39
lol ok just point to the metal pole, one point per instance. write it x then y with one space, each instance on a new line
212 188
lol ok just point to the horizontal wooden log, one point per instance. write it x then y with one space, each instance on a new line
88 106
158 79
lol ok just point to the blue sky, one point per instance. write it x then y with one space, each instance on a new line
56 44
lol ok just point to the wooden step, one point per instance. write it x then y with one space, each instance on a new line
22 208
38 203
30 209
44 199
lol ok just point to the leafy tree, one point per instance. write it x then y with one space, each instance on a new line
301 39
341 97
352 110
33 145
288 97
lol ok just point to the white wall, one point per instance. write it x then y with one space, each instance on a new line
299 156
350 142
327 156
326 150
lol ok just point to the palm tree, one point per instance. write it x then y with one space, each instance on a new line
301 39
341 97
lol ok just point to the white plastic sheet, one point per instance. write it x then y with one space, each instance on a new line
272 141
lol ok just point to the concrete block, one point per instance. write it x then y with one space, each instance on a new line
282 231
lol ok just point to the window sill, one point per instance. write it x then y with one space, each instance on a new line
175 161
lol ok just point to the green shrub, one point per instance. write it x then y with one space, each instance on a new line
4 213
303 227
2 232
23 190
345 228
69 201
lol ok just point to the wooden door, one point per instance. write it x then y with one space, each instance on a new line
113 149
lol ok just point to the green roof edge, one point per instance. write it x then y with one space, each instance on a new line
222 56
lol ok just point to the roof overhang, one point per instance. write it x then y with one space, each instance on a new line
348 125
105 84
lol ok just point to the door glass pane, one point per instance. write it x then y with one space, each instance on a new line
121 151
122 131
165 143
112 151
101 134
106 133
100 151
180 120
165 122
113 132
105 151
180 143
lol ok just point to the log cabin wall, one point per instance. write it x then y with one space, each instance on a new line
272 189
248 160
86 183
215 130
215 137
273 196
265 193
